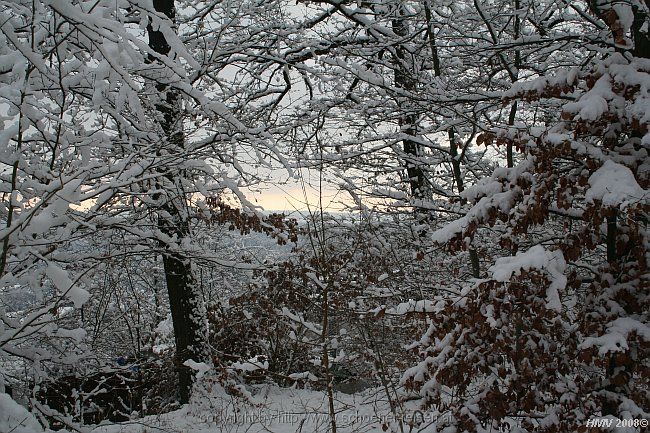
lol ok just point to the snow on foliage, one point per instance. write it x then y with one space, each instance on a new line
16 419
616 336
536 258
252 364
66 286
200 367
576 300
413 306
614 185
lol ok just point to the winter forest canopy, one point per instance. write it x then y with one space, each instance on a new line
485 270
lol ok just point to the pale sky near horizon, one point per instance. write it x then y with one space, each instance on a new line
291 197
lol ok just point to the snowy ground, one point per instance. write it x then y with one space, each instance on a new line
270 409
266 409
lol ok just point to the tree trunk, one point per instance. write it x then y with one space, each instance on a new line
514 76
184 301
405 81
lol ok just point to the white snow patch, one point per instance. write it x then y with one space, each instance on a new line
412 306
165 327
535 258
16 419
625 15
200 367
252 364
60 279
305 375
614 184
615 339
478 213
593 104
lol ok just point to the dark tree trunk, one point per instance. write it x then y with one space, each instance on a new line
184 301
640 35
405 81
514 75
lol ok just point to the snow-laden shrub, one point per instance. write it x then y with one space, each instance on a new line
16 419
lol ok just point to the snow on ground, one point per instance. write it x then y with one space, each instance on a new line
270 409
